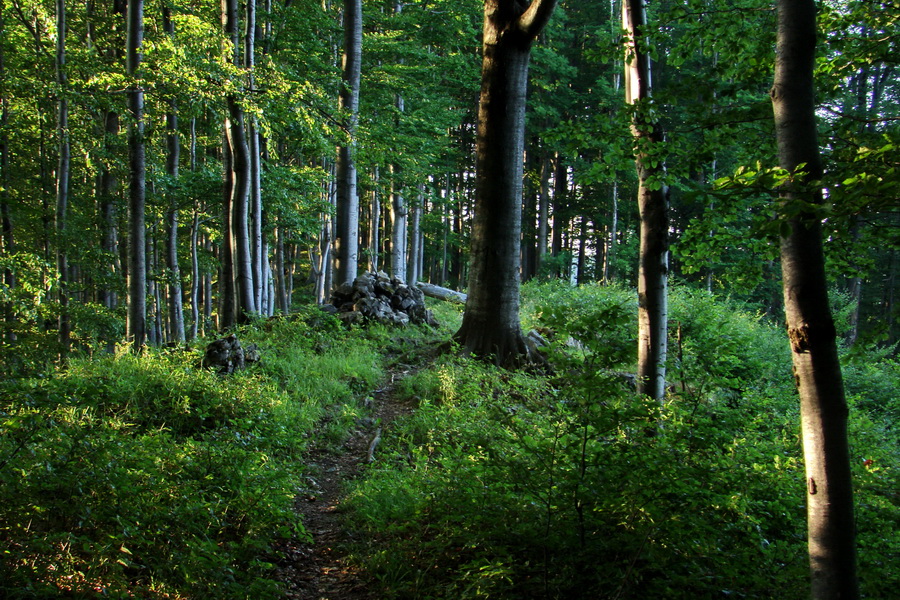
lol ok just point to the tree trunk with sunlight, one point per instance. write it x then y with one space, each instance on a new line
652 206
817 370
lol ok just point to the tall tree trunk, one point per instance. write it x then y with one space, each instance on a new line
7 239
137 269
176 306
236 138
375 247
612 240
817 370
560 218
347 234
227 297
652 206
195 275
255 167
62 182
109 219
490 326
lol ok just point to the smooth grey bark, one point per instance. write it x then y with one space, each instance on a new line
491 327
137 252
414 272
255 157
375 246
652 206
817 370
236 138
346 238
195 275
62 182
399 212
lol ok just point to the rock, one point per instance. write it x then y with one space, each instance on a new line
227 355
382 299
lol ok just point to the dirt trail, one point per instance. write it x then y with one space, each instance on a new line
320 570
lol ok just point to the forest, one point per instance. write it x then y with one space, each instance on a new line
675 373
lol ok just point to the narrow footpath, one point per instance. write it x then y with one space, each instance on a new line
320 570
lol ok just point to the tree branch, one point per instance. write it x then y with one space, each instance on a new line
536 17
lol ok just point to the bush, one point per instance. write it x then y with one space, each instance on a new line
508 485
148 476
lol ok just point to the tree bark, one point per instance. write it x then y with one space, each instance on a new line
137 252
62 183
491 327
236 138
817 370
652 206
347 235
399 213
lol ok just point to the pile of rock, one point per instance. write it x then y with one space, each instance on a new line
227 355
377 297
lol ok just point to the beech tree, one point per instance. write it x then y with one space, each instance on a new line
137 263
652 205
817 370
490 326
62 180
347 234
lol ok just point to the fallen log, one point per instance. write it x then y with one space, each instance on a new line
441 293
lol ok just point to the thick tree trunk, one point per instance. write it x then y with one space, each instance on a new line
490 327
137 253
347 235
240 202
817 370
652 206
236 139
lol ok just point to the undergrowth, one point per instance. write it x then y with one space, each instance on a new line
146 476
509 485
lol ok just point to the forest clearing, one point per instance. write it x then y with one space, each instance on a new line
658 356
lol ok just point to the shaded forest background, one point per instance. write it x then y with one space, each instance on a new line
414 157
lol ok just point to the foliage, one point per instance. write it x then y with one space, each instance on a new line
508 485
146 475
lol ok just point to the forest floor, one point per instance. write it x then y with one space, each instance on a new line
321 569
